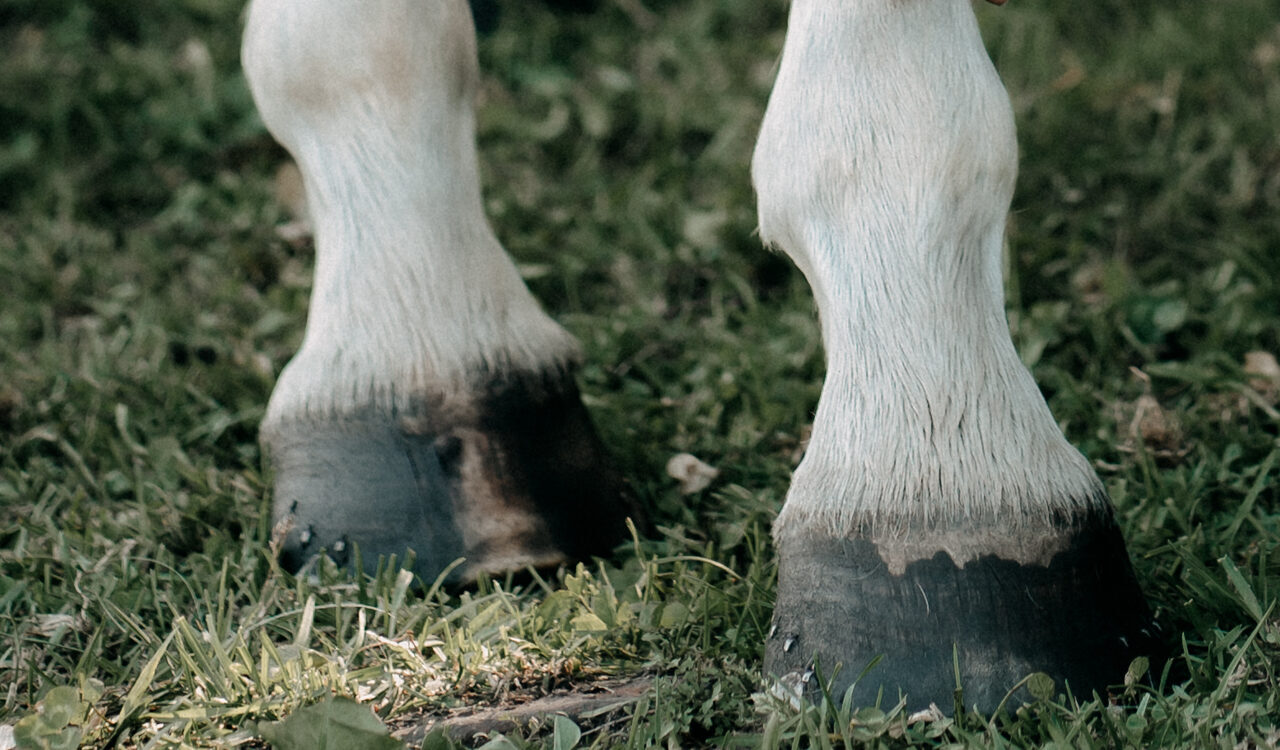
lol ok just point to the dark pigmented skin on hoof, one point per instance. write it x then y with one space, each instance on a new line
513 477
1080 618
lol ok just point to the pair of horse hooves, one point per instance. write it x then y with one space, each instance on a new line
517 478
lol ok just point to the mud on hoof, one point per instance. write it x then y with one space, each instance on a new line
1067 604
513 477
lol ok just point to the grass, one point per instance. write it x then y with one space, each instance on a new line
147 300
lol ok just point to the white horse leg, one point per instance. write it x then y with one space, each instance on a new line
432 405
938 506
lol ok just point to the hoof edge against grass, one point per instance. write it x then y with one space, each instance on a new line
989 621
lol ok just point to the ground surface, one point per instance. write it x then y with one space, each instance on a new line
152 285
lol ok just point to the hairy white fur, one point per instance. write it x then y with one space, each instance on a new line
413 295
884 168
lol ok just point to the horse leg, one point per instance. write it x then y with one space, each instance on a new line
938 514
432 405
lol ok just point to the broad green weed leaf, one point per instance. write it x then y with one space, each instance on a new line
566 735
869 715
30 733
673 614
332 724
1137 670
67 739
588 623
33 734
61 707
437 739
1040 685
1135 726
90 690
499 743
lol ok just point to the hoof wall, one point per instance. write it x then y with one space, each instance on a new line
1077 615
515 478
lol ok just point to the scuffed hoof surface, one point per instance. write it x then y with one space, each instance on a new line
1075 612
515 477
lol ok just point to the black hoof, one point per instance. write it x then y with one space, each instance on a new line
516 477
1075 613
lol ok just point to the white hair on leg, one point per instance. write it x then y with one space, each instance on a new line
884 168
413 294
431 411
939 523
